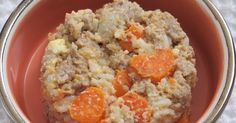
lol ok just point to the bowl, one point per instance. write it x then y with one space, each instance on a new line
24 38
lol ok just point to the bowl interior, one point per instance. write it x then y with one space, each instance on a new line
30 39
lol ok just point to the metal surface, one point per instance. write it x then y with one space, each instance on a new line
9 104
214 115
15 115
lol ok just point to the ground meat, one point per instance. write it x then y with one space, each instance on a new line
86 51
82 20
115 15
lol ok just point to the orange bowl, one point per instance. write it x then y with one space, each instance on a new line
24 39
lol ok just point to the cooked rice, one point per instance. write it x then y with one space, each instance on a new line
84 51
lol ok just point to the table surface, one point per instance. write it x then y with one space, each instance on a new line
227 9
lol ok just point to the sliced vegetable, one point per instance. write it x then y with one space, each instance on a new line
126 44
104 121
136 30
89 106
155 66
172 81
138 105
121 81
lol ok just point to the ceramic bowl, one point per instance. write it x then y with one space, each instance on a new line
24 37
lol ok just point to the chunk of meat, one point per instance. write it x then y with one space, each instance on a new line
155 66
89 106
122 82
138 105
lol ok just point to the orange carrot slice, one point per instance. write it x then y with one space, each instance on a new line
134 29
139 105
89 106
155 66
121 79
172 81
126 45
103 121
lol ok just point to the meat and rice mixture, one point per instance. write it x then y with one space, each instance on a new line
118 64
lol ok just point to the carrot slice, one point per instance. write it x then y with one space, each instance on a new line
155 66
139 105
121 79
172 81
134 29
126 45
103 121
89 106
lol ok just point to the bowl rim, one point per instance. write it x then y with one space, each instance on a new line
10 105
230 75
16 115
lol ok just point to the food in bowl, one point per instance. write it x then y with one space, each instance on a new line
118 64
